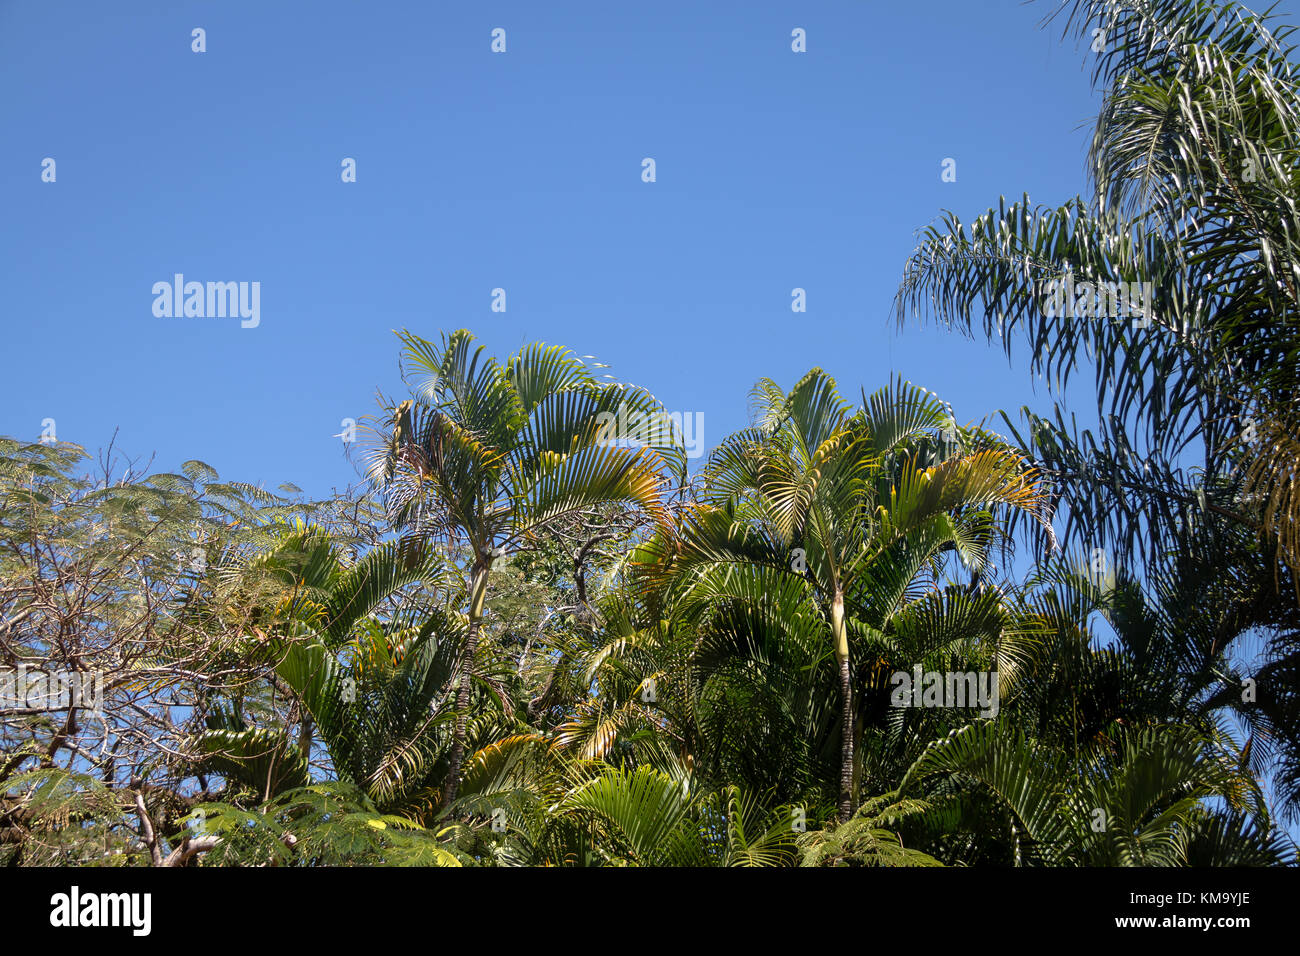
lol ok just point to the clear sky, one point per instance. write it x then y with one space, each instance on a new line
477 170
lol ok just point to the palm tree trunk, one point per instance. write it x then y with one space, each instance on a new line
841 635
478 590
306 733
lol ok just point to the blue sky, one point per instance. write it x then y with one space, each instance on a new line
477 171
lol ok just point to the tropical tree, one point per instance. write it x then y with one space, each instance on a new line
830 508
1193 209
662 678
1141 802
548 808
1175 283
489 456
365 648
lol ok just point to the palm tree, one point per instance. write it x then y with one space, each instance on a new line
1193 209
365 648
1140 800
488 456
818 497
552 809
1194 176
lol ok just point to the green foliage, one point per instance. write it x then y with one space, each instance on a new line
54 817
320 825
1194 176
532 641
865 840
